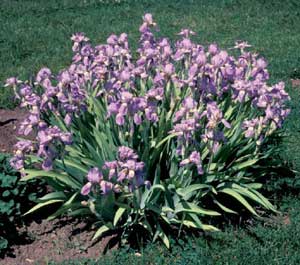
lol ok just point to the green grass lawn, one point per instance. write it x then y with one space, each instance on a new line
37 33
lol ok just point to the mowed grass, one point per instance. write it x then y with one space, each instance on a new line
37 33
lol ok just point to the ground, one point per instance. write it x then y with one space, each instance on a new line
9 122
36 34
54 240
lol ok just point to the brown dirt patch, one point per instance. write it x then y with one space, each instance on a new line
296 83
9 123
56 240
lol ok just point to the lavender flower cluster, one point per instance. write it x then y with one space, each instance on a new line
122 175
186 80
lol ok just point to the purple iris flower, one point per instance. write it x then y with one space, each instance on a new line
94 175
106 186
86 189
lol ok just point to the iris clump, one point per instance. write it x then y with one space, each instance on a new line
155 144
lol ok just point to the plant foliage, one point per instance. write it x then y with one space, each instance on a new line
15 198
154 145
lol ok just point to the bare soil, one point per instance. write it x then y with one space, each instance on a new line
295 83
9 122
57 240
